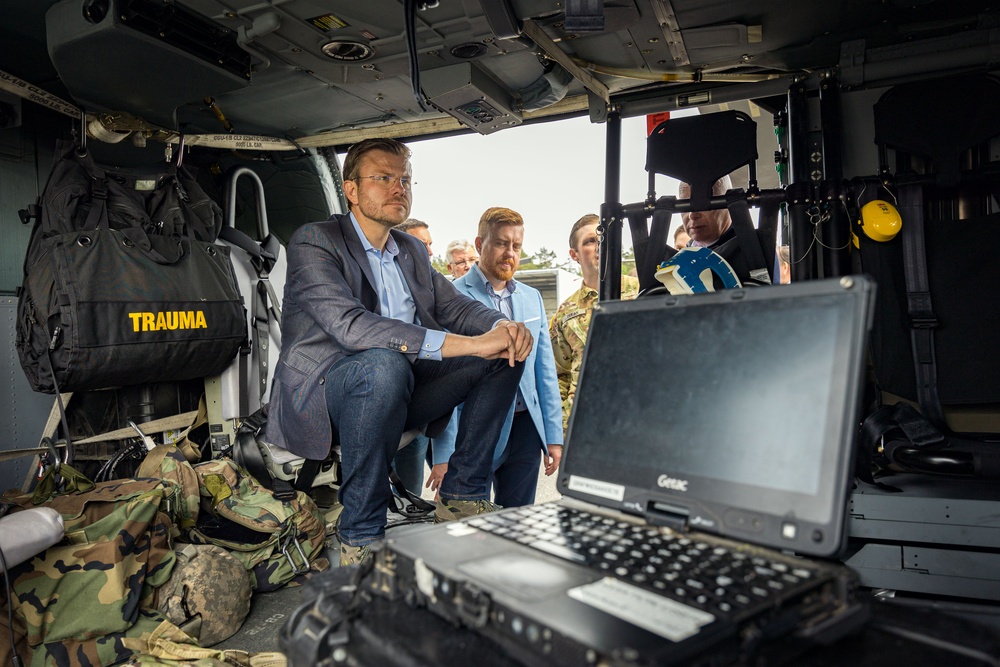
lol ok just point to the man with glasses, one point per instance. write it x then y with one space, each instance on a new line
461 256
376 342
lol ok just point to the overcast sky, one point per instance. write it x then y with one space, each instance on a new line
550 173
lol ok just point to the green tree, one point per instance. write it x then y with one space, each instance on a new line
628 261
572 267
440 264
543 259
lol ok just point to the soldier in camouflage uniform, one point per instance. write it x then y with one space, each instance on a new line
568 327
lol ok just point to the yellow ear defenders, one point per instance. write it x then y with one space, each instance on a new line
880 221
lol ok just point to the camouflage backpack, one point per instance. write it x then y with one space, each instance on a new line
170 463
278 541
76 601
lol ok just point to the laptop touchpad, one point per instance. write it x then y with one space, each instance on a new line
524 576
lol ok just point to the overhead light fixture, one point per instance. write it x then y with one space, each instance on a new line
469 50
346 50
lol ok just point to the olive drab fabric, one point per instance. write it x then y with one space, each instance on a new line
568 332
190 448
168 462
70 479
168 646
208 593
278 541
77 600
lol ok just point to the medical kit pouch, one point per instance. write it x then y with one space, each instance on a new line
123 282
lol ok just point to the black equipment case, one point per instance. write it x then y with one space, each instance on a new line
357 617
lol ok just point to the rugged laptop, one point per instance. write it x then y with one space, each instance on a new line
710 441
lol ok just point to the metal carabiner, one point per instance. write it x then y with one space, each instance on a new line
292 539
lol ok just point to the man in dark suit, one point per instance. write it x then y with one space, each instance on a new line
365 353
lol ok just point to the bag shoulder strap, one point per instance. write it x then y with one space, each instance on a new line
405 502
739 211
923 320
246 453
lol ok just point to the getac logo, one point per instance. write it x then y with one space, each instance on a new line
169 320
671 483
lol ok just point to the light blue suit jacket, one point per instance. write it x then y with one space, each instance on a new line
539 384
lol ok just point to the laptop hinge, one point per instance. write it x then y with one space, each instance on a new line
671 516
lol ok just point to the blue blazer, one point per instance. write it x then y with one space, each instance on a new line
539 384
330 310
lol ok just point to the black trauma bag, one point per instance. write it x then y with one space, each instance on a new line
123 283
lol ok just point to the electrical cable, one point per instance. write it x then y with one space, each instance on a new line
116 467
410 21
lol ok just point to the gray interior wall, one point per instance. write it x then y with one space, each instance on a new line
25 160
859 149
24 412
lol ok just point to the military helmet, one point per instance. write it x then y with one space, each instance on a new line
208 593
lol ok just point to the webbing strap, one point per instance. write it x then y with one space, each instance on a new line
923 321
174 422
261 334
655 250
899 434
405 502
28 91
264 308
879 438
246 451
47 431
739 211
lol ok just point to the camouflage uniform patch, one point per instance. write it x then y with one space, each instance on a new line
568 331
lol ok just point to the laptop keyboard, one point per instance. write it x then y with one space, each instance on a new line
712 577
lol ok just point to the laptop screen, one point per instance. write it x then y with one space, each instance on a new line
734 411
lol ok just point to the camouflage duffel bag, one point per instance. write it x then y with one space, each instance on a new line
78 599
278 541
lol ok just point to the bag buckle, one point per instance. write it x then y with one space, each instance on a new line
287 552
761 276
923 322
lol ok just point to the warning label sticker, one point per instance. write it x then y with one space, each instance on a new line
328 22
651 612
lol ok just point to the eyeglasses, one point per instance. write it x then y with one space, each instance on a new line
464 262
405 182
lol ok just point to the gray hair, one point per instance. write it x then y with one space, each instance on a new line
458 244
410 223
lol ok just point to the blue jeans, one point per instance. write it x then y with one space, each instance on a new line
516 476
409 463
375 395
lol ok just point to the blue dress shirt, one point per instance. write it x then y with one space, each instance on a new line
394 297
